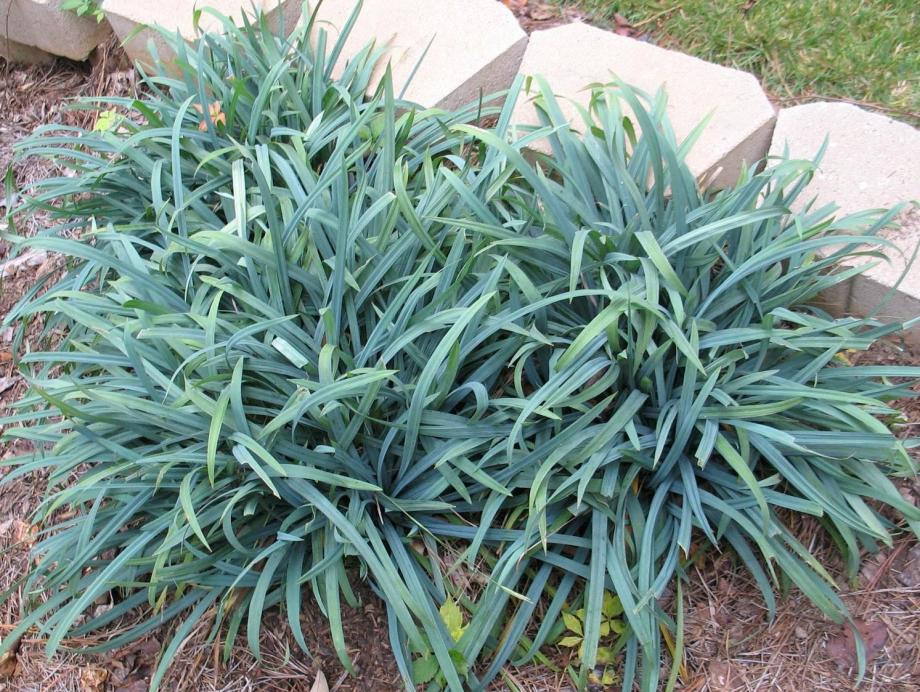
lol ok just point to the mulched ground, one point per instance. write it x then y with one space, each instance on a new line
730 644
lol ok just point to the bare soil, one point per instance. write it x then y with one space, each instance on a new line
730 645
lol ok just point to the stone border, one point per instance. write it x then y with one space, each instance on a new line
574 55
871 162
477 46
37 29
443 53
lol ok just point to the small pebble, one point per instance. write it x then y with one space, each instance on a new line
910 573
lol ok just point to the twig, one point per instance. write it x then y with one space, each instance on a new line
885 566
657 15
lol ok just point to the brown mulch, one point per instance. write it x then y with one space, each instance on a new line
730 645
533 15
40 95
536 15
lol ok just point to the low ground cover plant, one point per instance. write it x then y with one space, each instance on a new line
315 335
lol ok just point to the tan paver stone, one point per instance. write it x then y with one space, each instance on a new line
20 53
469 46
574 55
871 162
129 17
43 25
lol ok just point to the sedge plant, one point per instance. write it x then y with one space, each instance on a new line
315 335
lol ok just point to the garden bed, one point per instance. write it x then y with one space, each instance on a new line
729 644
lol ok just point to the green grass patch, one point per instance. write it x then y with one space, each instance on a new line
847 49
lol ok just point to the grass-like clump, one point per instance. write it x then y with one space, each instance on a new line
315 335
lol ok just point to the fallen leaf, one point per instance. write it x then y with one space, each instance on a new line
148 648
119 667
320 684
24 533
623 27
541 13
9 664
842 649
93 679
720 676
869 572
33 258
837 650
9 202
6 383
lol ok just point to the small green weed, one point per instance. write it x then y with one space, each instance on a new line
84 8
612 629
425 667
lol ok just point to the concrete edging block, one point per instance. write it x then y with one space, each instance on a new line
469 46
574 55
20 53
132 21
43 25
871 162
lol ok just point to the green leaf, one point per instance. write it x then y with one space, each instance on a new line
217 421
106 120
612 605
188 507
424 670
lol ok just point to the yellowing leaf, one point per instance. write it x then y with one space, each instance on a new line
320 684
453 618
607 678
572 623
612 606
570 642
106 121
